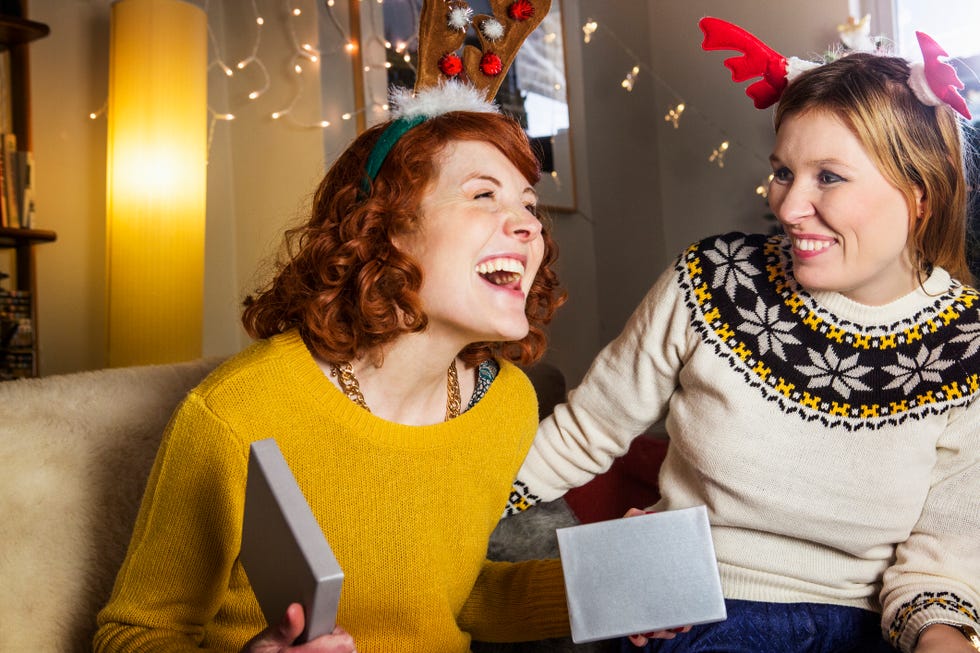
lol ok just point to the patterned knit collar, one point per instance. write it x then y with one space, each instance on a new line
923 298
745 303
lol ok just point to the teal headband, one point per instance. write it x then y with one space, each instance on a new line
382 148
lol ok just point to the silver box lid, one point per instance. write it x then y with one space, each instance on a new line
640 574
284 552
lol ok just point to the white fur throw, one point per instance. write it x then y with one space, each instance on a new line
75 452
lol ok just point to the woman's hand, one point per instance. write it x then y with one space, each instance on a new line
940 638
279 638
641 640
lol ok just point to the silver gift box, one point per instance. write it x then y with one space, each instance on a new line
284 552
640 574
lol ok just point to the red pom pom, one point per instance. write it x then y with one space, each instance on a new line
450 65
491 65
520 10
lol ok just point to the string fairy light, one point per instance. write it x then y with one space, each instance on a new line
674 112
215 117
631 79
674 115
304 60
588 30
98 112
763 188
718 155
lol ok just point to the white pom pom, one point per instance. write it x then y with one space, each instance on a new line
448 96
920 85
492 29
459 18
795 66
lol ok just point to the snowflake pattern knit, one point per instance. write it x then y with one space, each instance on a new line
810 363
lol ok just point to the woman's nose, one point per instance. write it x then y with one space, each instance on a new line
791 203
522 224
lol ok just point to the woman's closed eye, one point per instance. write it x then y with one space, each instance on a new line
532 209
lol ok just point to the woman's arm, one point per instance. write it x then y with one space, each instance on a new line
517 602
625 391
179 565
936 575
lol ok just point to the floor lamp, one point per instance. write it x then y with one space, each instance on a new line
156 181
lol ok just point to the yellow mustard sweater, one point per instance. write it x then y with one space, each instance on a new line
407 511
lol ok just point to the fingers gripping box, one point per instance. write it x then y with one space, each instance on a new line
640 574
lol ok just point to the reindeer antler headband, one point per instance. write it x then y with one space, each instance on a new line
933 82
447 82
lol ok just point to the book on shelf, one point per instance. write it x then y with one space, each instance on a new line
8 153
25 188
16 335
6 97
16 365
4 211
15 303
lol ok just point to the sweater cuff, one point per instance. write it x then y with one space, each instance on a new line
517 602
925 609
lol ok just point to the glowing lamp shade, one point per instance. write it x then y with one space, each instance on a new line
156 181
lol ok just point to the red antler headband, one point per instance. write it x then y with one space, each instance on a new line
445 81
933 82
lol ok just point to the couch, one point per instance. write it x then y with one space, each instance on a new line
75 452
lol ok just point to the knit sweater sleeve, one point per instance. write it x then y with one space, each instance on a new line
180 558
517 602
625 391
936 574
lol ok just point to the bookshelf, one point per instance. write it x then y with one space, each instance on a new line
18 295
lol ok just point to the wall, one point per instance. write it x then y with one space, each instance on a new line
68 81
651 189
251 195
645 190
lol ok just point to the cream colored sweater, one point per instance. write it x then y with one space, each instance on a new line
836 446
407 511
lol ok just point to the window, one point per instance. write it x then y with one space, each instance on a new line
956 27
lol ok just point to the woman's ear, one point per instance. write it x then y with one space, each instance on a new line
920 201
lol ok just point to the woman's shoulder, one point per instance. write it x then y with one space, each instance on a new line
281 359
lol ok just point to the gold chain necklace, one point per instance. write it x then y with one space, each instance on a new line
350 386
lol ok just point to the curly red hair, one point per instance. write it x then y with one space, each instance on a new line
342 282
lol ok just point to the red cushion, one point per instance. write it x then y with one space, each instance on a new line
631 482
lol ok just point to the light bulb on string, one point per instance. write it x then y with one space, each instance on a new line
630 79
674 115
589 29
763 188
718 155
98 112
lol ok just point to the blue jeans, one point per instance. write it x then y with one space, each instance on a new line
756 627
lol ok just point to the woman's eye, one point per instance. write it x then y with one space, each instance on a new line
782 175
485 195
826 177
532 209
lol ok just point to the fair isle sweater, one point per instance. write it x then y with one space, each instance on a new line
408 512
835 445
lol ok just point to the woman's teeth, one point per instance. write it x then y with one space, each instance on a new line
501 271
809 245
